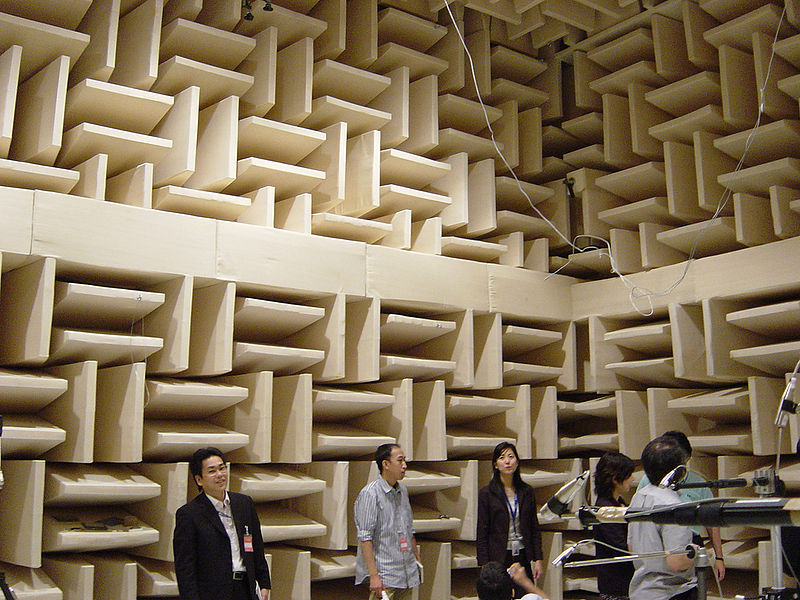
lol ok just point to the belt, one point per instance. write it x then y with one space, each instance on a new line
239 575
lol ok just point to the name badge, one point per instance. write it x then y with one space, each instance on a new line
404 544
248 543
516 546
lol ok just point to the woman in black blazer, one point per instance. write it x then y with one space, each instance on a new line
508 529
613 476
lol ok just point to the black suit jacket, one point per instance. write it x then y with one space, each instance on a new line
202 549
492 534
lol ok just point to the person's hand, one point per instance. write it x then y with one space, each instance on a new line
538 569
264 594
375 584
517 572
719 569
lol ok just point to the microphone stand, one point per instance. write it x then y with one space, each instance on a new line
8 593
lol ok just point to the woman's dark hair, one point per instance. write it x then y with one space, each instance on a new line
660 456
384 452
517 479
494 582
196 462
613 467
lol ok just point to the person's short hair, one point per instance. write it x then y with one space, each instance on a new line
682 440
384 452
613 467
660 456
494 582
196 462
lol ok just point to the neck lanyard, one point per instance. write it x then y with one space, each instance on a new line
513 512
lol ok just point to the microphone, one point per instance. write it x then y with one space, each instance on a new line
787 406
563 498
712 512
722 512
674 477
563 556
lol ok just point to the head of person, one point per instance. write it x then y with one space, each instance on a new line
391 462
505 463
494 582
660 456
613 474
210 471
682 440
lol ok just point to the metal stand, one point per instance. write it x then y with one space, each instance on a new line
8 593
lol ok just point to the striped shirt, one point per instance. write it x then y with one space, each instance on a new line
383 516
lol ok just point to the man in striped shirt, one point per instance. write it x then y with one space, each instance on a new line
387 549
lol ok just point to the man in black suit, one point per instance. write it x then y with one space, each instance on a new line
219 553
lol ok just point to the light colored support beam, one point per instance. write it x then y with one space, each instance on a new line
177 487
291 419
171 322
423 128
752 228
710 163
261 65
133 187
211 338
119 414
362 177
294 76
681 180
770 69
39 115
738 84
361 43
669 43
215 166
74 411
181 126
21 520
26 312
138 39
101 23
9 70
395 101
584 72
642 117
252 416
92 182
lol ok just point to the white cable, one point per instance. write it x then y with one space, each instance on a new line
635 291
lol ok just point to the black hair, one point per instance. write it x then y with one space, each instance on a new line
660 456
517 478
494 582
613 467
196 462
384 452
682 440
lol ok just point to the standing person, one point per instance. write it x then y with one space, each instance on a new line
495 582
387 549
661 578
508 529
613 478
219 553
693 495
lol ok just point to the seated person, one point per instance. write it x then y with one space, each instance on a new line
790 540
496 582
662 578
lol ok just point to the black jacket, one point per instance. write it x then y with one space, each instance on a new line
493 519
612 579
202 549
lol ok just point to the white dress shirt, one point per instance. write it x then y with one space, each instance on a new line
226 516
